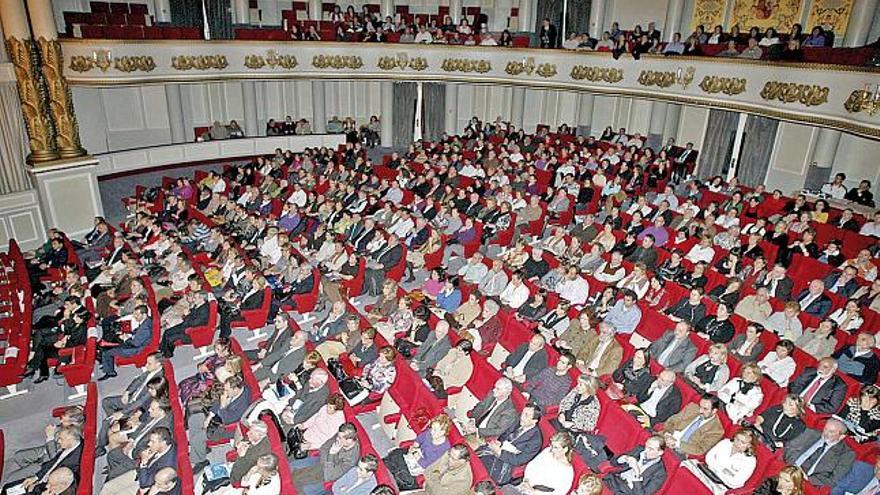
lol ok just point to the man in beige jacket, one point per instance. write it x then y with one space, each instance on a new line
451 473
696 428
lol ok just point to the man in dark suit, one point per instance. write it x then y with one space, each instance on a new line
680 163
525 438
294 352
813 299
380 262
822 390
527 360
197 315
824 456
366 235
843 282
165 482
132 344
643 470
777 283
160 453
227 410
61 481
310 398
859 360
252 448
135 395
862 478
493 415
660 401
127 447
433 349
674 350
68 455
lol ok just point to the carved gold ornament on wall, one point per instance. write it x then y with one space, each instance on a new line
337 62
596 74
60 99
143 63
529 67
272 59
199 62
809 95
33 108
727 85
862 100
665 79
402 61
100 59
466 65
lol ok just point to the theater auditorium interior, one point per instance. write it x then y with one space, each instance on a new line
441 247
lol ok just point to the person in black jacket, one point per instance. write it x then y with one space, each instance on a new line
198 314
822 390
525 437
548 35
859 361
643 470
68 456
72 332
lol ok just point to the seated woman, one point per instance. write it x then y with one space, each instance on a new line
819 342
709 372
379 375
400 321
456 367
783 423
634 377
578 414
449 297
317 429
862 414
204 378
231 367
602 302
261 479
729 464
534 309
848 318
727 294
637 280
405 464
778 365
789 481
657 296
742 395
717 328
550 472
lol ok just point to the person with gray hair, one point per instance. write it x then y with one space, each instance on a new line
61 481
337 456
359 480
486 329
491 416
68 456
26 462
824 457
165 483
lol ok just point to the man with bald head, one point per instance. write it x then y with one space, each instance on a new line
61 481
824 457
165 483
659 402
859 360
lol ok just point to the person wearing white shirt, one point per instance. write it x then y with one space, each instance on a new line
657 391
219 187
732 461
836 189
469 170
611 272
394 194
550 472
701 252
778 365
872 228
270 248
516 293
298 197
743 395
402 226
474 270
574 289
786 323
424 36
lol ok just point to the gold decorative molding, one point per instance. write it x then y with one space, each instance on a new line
33 108
337 62
596 74
809 95
60 99
199 62
272 59
143 63
528 66
402 61
100 59
665 79
727 85
862 100
466 65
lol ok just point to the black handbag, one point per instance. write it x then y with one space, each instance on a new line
295 440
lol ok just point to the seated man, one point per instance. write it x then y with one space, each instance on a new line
136 395
643 470
491 416
515 447
658 402
602 353
695 429
813 300
674 350
26 462
550 385
625 315
160 453
197 315
166 482
67 455
822 390
823 456
863 478
436 345
132 344
359 480
337 456
451 474
126 442
859 360
227 410
527 360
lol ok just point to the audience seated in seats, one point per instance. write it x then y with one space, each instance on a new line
822 390
524 436
823 455
859 360
641 470
743 394
661 400
709 372
337 456
452 474
429 447
731 462
527 360
674 349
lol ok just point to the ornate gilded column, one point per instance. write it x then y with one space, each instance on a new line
41 139
61 109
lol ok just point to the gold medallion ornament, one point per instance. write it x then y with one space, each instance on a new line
528 66
809 95
337 62
199 62
272 59
41 139
863 101
728 85
596 74
402 61
60 100
143 63
466 65
665 79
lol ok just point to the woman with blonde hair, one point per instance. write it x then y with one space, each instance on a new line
789 481
589 484
550 472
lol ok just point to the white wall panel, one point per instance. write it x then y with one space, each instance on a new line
631 12
692 127
89 107
791 154
122 106
857 158
153 99
604 109
198 110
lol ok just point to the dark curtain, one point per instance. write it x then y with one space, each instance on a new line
404 113
187 13
757 146
578 16
718 144
433 111
219 15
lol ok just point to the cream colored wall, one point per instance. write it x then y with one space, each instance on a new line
692 125
858 158
631 12
791 156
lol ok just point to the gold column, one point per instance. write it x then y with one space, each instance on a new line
60 99
41 138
